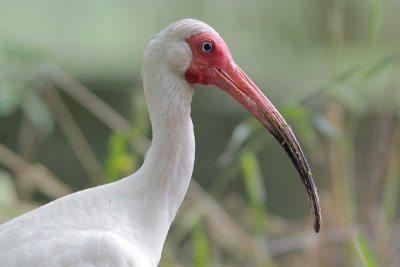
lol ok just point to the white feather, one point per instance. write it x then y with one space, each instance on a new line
123 223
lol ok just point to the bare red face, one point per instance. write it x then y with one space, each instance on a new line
209 52
212 64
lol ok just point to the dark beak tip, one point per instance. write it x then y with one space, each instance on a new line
317 226
317 220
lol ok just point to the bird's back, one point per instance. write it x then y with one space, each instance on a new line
71 231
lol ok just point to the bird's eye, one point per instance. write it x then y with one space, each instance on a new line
207 47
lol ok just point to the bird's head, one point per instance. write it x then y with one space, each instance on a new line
192 52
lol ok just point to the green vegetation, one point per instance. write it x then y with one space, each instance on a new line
72 115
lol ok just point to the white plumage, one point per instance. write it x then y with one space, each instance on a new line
125 223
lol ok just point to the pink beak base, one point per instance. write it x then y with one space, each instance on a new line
236 83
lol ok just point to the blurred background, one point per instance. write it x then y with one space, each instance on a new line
72 116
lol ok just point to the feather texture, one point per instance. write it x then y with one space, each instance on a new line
124 223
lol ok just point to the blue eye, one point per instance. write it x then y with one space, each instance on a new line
207 47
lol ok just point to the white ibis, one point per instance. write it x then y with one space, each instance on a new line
125 223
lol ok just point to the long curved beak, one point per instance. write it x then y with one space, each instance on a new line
235 82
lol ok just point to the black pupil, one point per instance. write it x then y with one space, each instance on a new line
207 46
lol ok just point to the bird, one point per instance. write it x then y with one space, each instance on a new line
125 223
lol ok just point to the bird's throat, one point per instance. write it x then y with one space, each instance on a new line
162 182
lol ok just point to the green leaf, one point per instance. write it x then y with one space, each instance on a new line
8 195
375 20
381 65
36 110
255 189
300 119
239 136
364 252
11 96
294 113
119 161
201 252
326 127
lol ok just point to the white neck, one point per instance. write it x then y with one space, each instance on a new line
168 165
157 189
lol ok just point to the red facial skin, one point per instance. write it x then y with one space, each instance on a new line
203 65
218 68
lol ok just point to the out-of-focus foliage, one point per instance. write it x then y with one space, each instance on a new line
69 68
255 190
16 60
